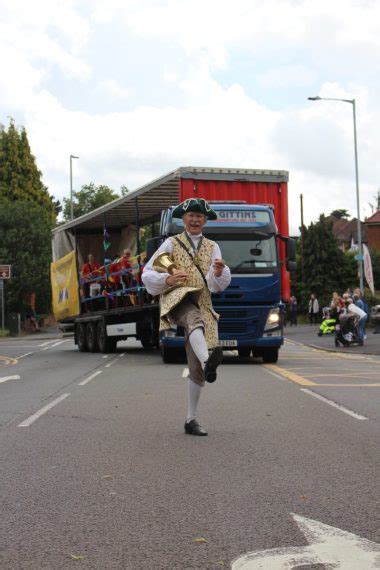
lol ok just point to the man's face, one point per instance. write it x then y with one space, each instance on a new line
91 259
194 222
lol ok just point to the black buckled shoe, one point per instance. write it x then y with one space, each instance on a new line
193 427
212 364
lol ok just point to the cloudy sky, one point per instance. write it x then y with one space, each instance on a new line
137 88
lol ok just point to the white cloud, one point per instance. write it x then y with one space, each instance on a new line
114 89
287 76
214 113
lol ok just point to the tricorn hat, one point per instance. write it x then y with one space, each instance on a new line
195 205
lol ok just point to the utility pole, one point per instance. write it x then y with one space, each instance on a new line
302 234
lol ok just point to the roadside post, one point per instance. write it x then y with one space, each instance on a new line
5 273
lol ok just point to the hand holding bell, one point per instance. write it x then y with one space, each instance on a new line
164 264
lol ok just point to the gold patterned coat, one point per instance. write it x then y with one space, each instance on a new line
194 285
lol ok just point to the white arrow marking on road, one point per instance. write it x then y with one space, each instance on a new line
327 545
6 378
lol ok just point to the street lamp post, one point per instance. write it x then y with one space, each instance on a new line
359 228
71 186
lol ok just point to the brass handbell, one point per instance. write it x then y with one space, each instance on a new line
164 264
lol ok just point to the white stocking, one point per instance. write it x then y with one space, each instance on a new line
198 344
194 392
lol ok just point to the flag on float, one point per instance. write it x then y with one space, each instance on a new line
368 269
106 237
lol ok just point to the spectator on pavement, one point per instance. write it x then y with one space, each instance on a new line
293 311
313 309
356 310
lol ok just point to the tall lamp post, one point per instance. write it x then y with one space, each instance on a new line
360 254
71 186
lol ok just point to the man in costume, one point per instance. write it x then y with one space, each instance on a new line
185 297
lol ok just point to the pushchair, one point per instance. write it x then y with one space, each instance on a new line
346 331
328 323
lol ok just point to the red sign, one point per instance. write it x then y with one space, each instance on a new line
5 271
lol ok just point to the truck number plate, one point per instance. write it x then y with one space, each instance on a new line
228 342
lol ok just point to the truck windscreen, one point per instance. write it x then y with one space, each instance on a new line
245 255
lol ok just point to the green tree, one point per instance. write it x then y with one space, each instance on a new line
20 178
25 243
89 198
322 267
340 214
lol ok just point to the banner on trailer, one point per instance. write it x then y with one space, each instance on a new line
368 269
64 285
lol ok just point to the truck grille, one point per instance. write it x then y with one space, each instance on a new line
239 314
232 327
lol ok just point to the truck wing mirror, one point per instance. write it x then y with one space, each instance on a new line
291 265
152 246
172 229
290 249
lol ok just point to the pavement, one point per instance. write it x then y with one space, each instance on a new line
308 334
46 333
304 334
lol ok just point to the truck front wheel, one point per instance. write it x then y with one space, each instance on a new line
81 337
106 344
92 341
244 352
270 355
169 355
147 333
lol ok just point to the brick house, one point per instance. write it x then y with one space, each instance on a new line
346 231
372 225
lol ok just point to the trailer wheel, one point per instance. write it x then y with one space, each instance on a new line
81 337
106 344
244 352
91 337
270 355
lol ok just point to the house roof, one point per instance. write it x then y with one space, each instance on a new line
374 219
344 230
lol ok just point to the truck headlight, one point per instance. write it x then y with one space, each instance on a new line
170 332
273 320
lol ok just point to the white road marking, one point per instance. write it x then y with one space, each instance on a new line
328 545
42 411
58 343
121 355
185 373
105 356
334 404
55 344
6 378
45 347
90 378
110 363
27 354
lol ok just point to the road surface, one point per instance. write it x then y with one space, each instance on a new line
97 472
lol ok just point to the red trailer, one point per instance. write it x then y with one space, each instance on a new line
259 187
